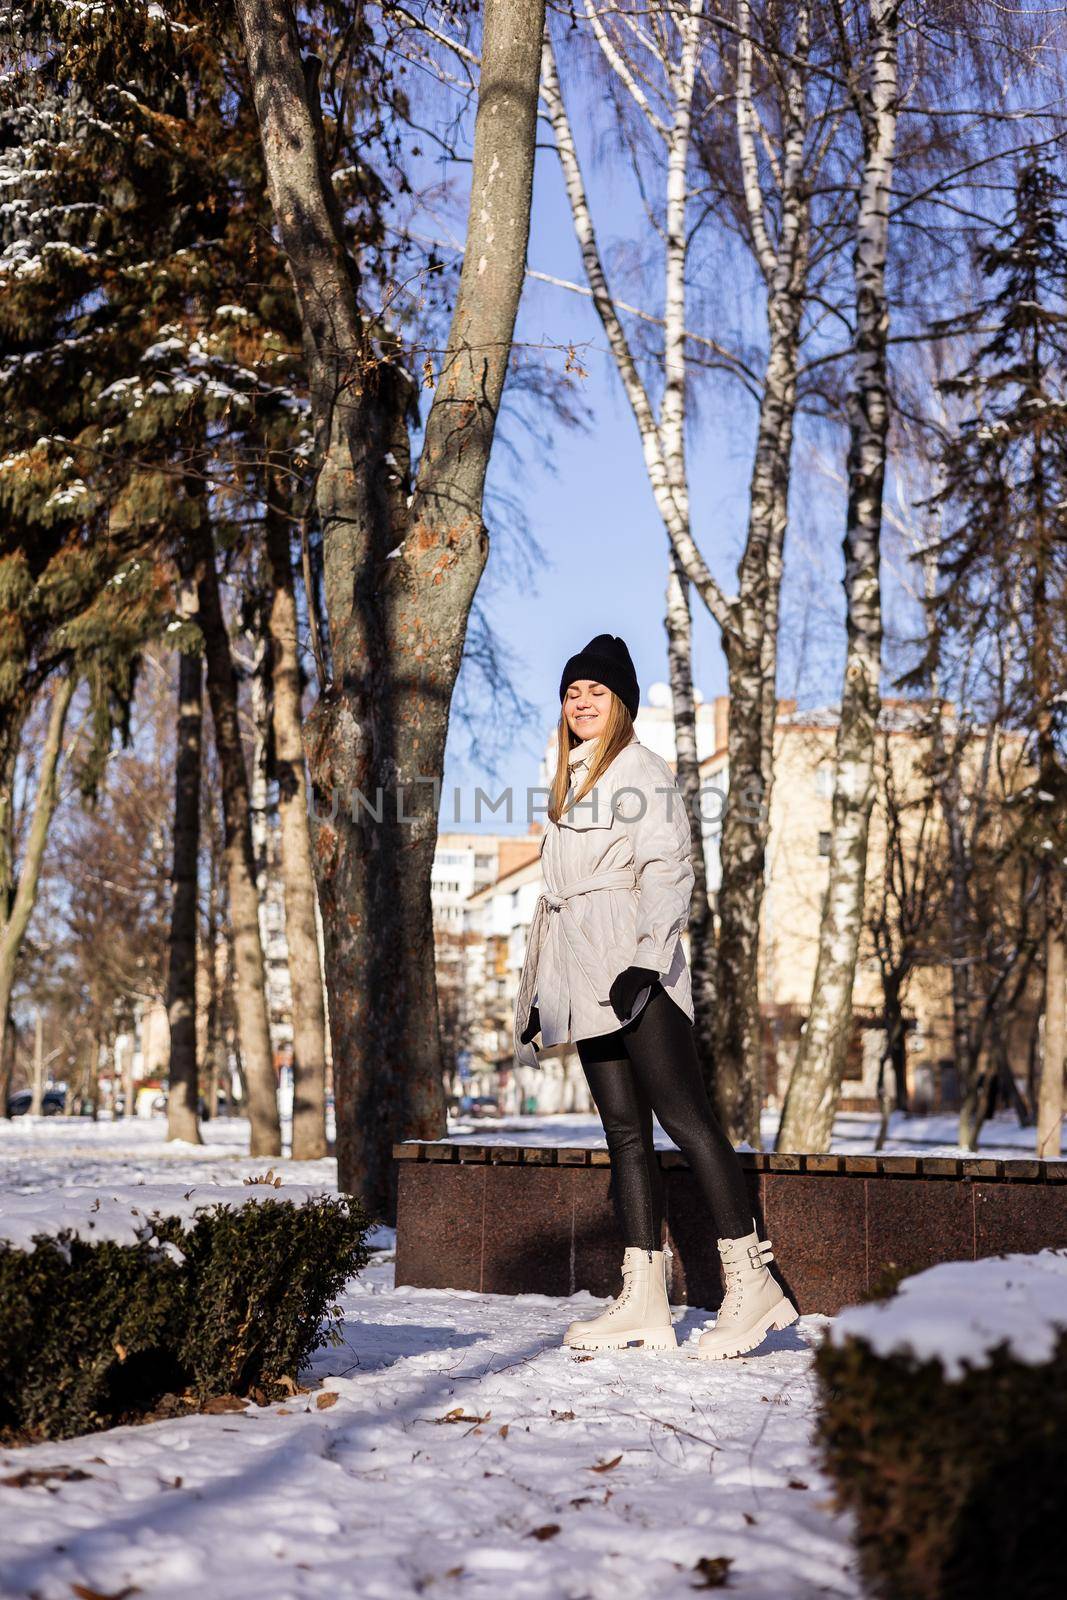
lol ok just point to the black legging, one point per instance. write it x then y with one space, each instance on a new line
651 1065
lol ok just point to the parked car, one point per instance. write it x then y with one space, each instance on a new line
484 1105
52 1103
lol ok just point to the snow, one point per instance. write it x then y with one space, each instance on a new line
450 1443
39 1152
959 1312
125 1215
854 1133
44 1155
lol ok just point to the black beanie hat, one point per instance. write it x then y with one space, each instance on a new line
606 660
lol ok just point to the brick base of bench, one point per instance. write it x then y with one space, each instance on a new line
509 1219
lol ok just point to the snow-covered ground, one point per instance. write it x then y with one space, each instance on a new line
854 1133
38 1152
453 1447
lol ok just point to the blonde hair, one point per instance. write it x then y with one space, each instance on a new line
618 732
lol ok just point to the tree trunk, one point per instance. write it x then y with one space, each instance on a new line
960 959
891 1068
249 972
752 661
182 1121
815 1086
1050 1098
751 643
24 897
128 1108
701 921
399 577
37 1092
298 872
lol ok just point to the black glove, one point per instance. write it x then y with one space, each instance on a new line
626 987
533 1026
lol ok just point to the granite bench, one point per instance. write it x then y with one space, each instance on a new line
514 1219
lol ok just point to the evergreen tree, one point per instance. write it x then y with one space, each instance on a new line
149 341
1003 562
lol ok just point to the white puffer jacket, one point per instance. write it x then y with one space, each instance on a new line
618 877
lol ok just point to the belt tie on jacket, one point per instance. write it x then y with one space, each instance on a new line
579 950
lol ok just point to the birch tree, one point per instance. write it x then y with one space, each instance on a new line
814 1087
664 49
672 48
403 554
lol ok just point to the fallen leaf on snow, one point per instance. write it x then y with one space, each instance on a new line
563 1416
503 1430
606 1466
223 1402
83 1592
715 1571
459 1415
797 1483
324 1401
39 1477
549 1531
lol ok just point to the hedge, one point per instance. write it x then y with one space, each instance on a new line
957 1478
232 1302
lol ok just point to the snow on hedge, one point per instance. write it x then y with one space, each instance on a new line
128 1214
958 1313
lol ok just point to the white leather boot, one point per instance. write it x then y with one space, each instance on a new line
640 1315
753 1303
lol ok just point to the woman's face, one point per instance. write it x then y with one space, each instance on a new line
586 706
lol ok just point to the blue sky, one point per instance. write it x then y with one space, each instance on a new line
592 511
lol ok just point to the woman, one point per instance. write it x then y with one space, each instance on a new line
605 968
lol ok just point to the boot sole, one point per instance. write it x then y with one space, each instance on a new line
779 1317
640 1338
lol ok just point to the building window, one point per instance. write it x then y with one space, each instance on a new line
824 844
824 779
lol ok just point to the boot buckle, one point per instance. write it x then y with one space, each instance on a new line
755 1257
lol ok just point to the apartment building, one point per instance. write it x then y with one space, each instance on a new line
495 917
